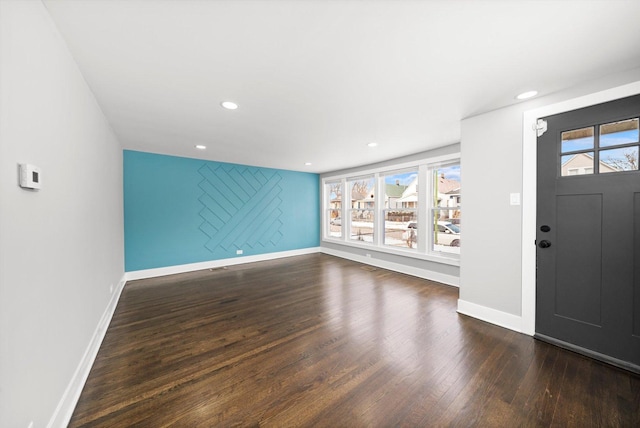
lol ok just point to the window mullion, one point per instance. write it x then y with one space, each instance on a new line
378 210
344 210
324 204
424 236
347 209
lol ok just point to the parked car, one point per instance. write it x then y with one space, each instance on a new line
447 234
336 221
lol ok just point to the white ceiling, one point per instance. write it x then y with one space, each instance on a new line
318 80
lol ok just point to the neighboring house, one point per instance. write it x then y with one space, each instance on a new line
448 197
409 197
335 201
448 190
335 204
363 202
392 195
448 194
582 163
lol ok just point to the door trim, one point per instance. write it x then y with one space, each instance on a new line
529 189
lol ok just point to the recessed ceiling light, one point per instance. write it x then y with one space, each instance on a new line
229 105
200 147
528 94
307 163
372 144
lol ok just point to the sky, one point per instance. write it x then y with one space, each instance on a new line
405 178
451 172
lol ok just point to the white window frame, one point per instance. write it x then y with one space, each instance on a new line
325 202
424 250
382 210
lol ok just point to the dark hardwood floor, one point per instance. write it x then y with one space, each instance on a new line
320 341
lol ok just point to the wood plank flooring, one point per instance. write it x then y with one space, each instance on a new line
320 341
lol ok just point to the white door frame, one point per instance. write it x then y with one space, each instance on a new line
529 165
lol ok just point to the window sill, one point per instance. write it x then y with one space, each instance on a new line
453 260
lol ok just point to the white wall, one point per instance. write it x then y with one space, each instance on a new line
61 248
491 165
491 265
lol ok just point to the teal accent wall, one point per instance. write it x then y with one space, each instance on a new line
180 210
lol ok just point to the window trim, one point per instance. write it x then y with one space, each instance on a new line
424 250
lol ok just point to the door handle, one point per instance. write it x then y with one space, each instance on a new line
544 244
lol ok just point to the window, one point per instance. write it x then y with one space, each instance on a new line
362 212
409 209
333 203
445 209
600 149
400 211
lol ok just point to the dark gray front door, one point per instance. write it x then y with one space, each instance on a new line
588 237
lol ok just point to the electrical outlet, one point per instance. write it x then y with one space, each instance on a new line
239 252
368 255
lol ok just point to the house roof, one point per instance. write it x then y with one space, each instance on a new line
446 185
395 190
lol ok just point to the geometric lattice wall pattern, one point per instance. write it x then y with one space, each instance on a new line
240 207
179 211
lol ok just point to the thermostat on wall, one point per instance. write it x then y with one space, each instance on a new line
30 176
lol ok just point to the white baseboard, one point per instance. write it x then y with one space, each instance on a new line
396 267
493 316
62 415
213 264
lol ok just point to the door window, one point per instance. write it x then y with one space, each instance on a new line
600 149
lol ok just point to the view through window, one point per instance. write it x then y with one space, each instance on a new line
334 209
401 209
615 149
413 210
446 211
362 208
